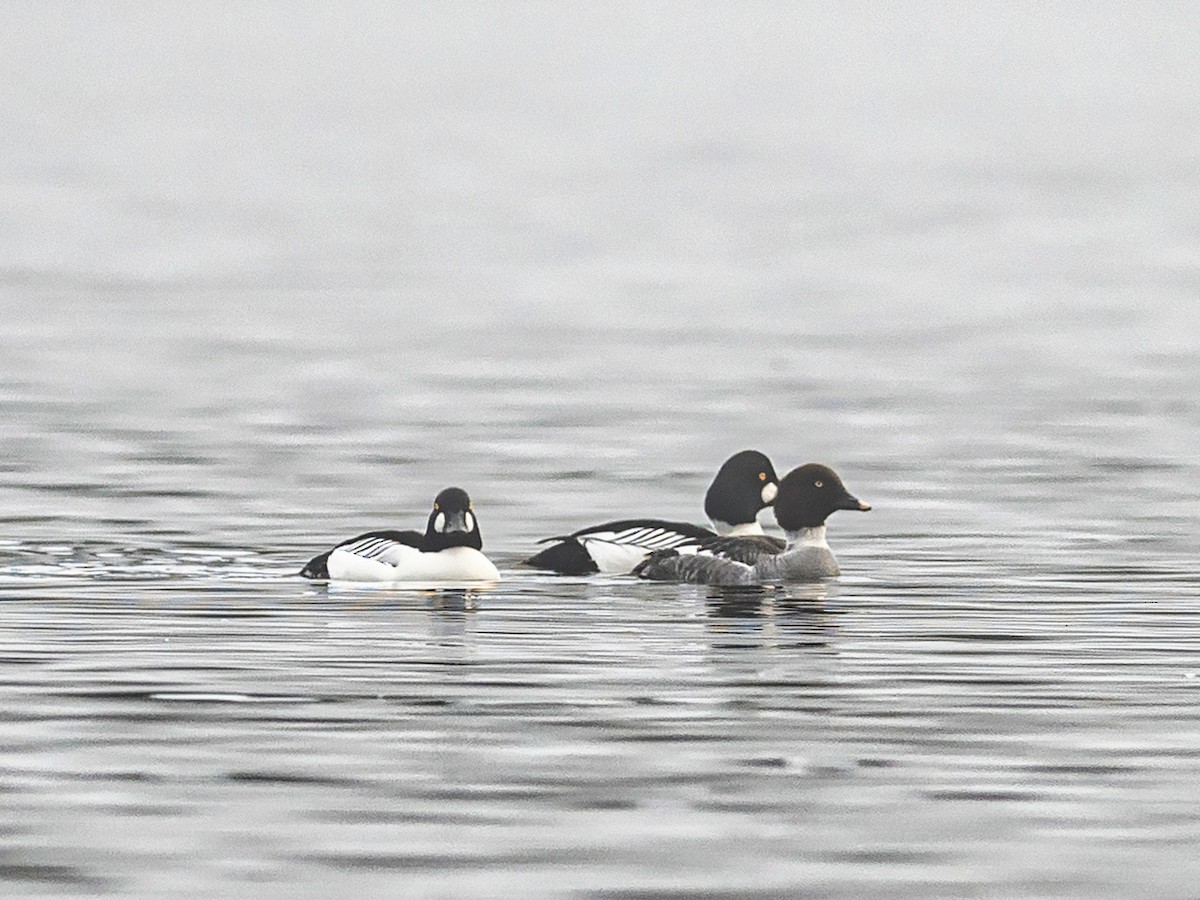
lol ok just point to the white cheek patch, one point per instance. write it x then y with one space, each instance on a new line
769 492
439 522
469 521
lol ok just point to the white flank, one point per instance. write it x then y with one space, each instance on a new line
403 563
612 558
617 552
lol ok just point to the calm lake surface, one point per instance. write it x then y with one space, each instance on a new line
274 275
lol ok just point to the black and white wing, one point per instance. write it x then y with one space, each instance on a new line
616 547
380 546
748 549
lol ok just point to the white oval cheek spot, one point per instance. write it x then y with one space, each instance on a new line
769 491
469 521
439 523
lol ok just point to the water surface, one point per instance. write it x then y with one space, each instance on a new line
273 277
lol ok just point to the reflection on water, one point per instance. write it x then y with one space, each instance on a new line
791 617
602 737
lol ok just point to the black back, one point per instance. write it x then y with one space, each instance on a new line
567 557
687 529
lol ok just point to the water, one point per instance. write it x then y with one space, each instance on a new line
273 277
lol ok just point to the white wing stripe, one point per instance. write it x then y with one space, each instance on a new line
658 541
632 536
649 539
675 542
370 548
652 538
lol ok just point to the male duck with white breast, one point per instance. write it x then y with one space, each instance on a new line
745 484
450 550
807 496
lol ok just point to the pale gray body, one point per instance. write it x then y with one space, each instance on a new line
805 557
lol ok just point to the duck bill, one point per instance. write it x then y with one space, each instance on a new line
852 502
455 522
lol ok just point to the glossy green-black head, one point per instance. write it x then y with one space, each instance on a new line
452 522
808 494
745 483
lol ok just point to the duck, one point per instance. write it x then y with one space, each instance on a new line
807 496
745 484
451 549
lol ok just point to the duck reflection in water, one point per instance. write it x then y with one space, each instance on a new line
794 614
380 596
453 600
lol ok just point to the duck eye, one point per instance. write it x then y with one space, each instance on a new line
762 476
437 506
819 484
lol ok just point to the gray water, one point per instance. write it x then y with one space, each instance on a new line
274 275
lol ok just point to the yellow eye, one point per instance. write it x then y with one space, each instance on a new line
819 484
762 476
436 507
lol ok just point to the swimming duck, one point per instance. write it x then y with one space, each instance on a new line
449 550
745 484
807 496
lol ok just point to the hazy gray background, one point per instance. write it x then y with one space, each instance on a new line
273 274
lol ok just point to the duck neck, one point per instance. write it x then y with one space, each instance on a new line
807 537
724 529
